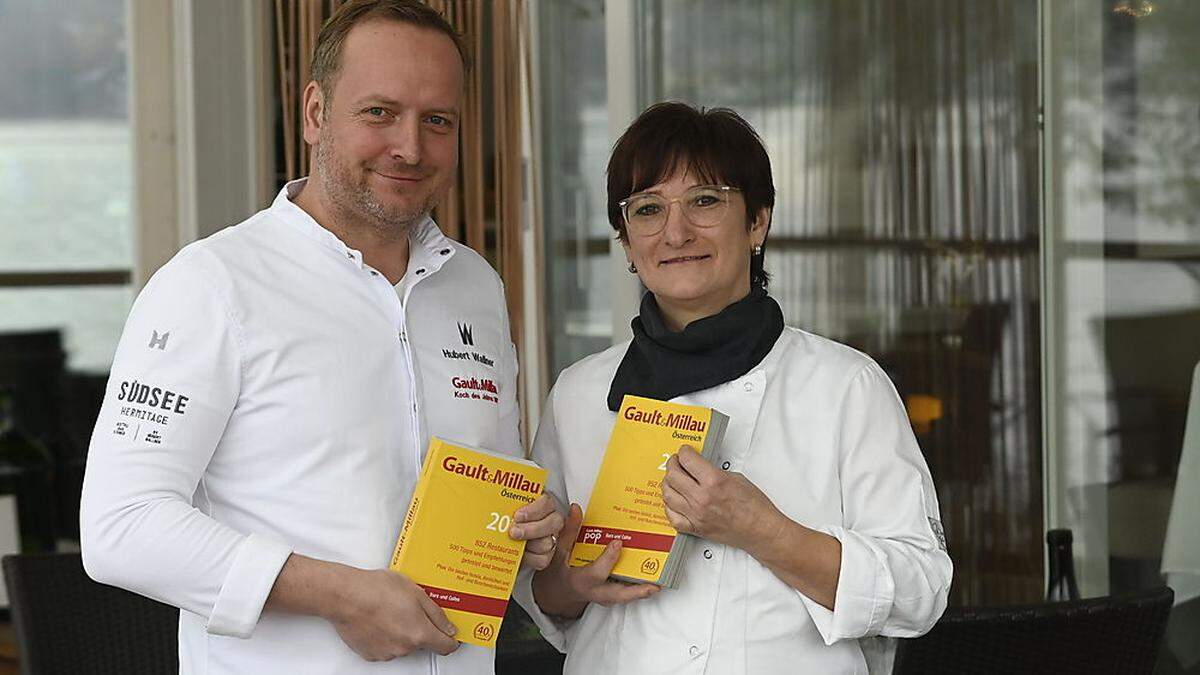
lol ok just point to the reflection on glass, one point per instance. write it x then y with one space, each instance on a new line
1124 232
574 135
65 192
56 345
906 223
65 179
89 318
65 219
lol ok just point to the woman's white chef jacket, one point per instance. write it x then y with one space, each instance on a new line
818 427
273 393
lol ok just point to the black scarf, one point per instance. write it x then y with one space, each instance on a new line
663 364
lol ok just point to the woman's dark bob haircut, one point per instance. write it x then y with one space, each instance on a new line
715 145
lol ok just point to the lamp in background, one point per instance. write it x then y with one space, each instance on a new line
1134 8
923 410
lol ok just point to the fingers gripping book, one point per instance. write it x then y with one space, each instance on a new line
455 543
626 502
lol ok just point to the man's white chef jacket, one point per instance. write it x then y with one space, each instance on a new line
819 429
272 393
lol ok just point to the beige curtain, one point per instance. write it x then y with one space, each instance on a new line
484 209
297 23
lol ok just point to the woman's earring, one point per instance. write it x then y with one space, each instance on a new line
632 268
757 249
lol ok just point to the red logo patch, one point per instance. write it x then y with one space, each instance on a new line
475 388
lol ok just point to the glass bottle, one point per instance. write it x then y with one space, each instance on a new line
1061 585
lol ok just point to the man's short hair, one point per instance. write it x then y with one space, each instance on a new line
327 53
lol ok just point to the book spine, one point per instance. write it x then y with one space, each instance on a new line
718 422
410 517
436 446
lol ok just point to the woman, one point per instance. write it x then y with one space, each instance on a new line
818 521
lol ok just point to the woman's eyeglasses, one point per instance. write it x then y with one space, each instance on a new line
703 206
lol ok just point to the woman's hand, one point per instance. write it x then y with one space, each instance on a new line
721 506
725 507
565 591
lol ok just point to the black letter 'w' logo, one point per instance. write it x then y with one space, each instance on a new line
464 331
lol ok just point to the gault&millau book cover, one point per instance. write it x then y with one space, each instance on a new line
455 542
626 502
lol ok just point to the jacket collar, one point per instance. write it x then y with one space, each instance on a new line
429 249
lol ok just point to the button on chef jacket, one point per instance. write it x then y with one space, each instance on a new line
818 427
272 393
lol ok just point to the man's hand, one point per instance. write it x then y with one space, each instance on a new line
720 506
538 524
379 614
386 615
562 590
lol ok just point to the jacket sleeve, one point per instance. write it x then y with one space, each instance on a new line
895 573
547 453
508 430
174 383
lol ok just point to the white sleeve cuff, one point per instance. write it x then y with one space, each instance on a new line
247 585
865 591
554 629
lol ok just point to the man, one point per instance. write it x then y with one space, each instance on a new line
277 384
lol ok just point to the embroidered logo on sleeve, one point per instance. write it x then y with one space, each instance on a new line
159 342
148 403
938 532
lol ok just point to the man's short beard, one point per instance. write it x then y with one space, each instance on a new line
349 197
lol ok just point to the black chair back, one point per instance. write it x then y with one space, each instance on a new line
65 623
1112 634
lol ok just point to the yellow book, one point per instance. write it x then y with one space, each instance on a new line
455 543
626 502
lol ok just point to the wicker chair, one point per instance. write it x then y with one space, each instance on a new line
66 623
1115 634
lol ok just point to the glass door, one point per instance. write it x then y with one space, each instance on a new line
906 223
1123 289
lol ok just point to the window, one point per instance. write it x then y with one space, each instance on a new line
574 153
906 223
1123 242
66 224
67 244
